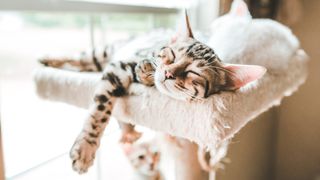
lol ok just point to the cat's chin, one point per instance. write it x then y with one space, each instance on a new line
162 88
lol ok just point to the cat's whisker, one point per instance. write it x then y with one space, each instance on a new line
154 62
186 92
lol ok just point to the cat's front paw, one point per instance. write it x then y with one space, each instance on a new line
82 155
145 72
130 137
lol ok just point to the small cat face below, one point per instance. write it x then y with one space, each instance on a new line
144 158
188 69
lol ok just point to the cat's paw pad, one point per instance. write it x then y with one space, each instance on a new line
130 137
82 155
145 72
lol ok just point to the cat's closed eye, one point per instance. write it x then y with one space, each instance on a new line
195 82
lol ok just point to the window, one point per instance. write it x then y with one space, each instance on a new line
38 134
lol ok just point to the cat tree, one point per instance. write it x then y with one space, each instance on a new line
216 119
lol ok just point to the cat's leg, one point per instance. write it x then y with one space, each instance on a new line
114 84
83 151
93 61
129 134
144 71
59 62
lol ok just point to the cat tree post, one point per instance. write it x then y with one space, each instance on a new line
212 175
187 166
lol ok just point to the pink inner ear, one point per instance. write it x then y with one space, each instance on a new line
240 11
174 39
239 8
244 74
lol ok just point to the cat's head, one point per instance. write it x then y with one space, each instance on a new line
188 69
143 157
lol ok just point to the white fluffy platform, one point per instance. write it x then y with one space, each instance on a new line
243 40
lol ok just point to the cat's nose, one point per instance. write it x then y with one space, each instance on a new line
168 75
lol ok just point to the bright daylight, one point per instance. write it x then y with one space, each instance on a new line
159 90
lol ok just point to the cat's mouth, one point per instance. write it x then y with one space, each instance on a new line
167 85
163 77
169 78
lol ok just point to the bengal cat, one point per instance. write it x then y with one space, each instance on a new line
184 69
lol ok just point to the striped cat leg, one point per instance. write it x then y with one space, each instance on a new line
84 149
144 72
114 84
93 61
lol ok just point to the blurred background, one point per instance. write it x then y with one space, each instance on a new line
282 144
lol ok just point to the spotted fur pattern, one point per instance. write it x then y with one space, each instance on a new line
184 69
92 61
114 83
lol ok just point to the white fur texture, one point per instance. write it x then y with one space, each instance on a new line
260 42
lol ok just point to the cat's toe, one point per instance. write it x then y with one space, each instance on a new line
82 155
80 166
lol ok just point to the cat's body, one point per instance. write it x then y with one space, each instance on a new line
184 69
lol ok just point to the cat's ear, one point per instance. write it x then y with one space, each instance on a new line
184 31
188 31
241 75
239 8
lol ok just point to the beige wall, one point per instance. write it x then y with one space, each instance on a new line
250 151
298 147
284 143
